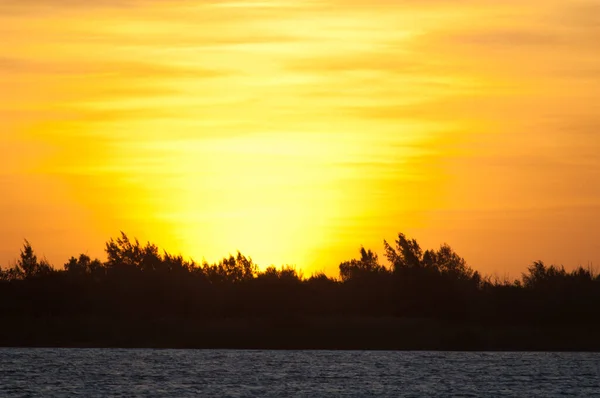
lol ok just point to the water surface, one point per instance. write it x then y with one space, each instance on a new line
34 372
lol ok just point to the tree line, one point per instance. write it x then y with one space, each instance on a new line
140 280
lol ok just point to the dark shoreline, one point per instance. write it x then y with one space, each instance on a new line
424 300
307 333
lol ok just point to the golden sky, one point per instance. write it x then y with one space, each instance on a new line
295 131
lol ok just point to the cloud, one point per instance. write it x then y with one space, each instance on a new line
383 61
402 4
120 69
581 14
506 37
20 6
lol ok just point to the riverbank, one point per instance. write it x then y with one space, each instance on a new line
335 333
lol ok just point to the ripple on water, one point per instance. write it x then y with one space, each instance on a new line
185 373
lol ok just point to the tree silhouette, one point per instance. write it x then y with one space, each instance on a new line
368 264
122 252
406 254
28 265
231 269
139 284
83 266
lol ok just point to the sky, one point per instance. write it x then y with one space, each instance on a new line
297 131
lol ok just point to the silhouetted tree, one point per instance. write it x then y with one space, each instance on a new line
122 252
7 274
139 282
232 269
367 265
177 264
406 254
286 273
83 266
28 265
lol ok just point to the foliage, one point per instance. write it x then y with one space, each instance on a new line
367 265
139 280
28 265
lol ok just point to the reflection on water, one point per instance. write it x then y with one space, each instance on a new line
234 373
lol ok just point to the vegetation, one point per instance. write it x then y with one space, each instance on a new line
429 299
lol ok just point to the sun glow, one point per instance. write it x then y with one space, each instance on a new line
292 131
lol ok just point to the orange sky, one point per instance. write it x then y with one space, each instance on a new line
295 131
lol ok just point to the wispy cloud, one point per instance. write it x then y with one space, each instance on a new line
197 122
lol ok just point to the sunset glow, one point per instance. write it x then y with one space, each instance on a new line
297 131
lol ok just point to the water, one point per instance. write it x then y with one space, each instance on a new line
233 373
